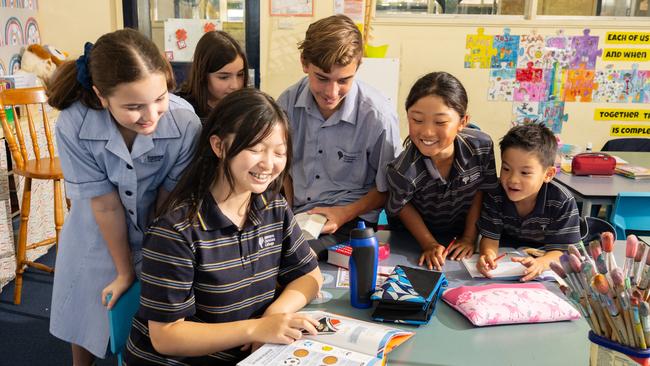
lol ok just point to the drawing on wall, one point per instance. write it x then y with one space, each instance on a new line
502 82
531 49
550 71
13 32
480 50
3 70
14 64
32 34
506 47
182 35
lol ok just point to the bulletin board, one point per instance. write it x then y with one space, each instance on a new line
382 74
18 29
182 35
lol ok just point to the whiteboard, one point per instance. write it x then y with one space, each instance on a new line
383 75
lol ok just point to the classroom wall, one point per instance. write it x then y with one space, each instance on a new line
68 24
434 44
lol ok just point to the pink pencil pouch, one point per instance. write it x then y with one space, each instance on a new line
509 303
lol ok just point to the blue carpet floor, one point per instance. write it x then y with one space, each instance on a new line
24 329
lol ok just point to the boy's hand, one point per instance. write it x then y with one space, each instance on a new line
534 267
486 263
462 248
336 217
282 328
432 257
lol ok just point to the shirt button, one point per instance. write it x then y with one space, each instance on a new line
320 151
131 212
128 193
128 166
308 198
317 176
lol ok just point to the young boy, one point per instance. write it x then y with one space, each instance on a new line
344 133
528 208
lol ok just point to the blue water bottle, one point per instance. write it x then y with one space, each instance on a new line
363 265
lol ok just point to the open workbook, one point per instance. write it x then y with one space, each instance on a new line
506 270
311 224
340 341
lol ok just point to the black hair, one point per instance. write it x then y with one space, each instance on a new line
533 137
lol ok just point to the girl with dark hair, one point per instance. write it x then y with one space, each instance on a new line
224 241
123 142
436 184
219 68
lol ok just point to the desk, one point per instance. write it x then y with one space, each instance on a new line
592 190
450 339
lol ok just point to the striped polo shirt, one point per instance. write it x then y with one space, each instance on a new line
442 203
553 224
209 271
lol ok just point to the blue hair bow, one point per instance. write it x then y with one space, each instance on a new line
83 73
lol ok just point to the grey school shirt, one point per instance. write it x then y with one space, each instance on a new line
443 203
553 224
338 160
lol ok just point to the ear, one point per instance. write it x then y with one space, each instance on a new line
304 63
463 122
216 143
103 100
549 174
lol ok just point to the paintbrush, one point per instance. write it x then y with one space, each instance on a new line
601 286
607 242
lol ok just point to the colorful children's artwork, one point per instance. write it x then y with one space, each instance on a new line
32 34
554 79
531 49
551 113
13 32
480 50
502 83
14 64
524 113
558 50
641 90
529 91
609 88
506 47
586 51
3 69
182 35
579 85
530 73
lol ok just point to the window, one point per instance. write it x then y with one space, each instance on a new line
637 8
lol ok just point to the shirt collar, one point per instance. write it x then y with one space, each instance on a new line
212 218
347 112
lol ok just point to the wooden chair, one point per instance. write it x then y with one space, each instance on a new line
37 168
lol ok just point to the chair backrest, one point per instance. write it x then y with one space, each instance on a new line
25 99
120 318
631 212
627 144
592 227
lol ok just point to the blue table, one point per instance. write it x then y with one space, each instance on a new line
450 339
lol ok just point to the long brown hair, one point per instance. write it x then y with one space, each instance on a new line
248 115
213 51
118 57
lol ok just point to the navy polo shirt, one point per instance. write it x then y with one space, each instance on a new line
209 271
442 203
553 224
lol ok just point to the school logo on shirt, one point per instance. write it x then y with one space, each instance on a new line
266 241
346 157
154 158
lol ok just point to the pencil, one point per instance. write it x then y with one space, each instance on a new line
444 253
499 257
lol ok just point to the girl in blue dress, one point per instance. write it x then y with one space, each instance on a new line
123 142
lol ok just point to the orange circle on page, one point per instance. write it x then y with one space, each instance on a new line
300 352
327 348
330 360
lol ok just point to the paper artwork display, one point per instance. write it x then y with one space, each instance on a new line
531 49
3 69
32 34
502 83
579 85
182 35
480 49
13 32
586 51
291 8
352 8
14 64
558 50
506 47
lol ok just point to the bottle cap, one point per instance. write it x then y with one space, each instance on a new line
361 231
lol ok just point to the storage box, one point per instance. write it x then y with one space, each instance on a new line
604 352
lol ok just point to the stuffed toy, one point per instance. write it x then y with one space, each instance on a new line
41 61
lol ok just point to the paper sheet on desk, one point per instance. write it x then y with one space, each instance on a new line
343 276
506 270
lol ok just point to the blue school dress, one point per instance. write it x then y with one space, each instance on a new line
96 161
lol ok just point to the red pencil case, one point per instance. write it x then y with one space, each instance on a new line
593 164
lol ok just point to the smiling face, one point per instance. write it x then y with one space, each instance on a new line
522 175
138 105
255 168
329 88
225 80
433 126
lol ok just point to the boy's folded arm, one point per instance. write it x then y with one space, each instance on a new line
297 294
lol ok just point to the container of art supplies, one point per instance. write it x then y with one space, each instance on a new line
604 352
